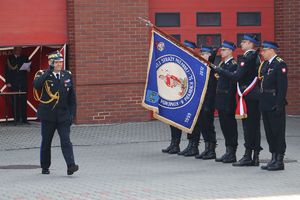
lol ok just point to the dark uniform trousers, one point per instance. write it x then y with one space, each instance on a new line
205 122
56 115
175 133
63 129
205 127
272 103
275 130
225 103
18 81
251 125
229 128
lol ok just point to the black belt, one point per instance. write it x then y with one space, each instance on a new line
222 91
270 91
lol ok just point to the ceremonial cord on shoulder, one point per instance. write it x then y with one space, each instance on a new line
259 71
52 96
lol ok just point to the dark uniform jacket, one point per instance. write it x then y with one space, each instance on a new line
58 110
247 70
13 75
226 88
273 85
209 100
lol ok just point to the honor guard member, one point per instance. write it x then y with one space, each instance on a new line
176 133
246 75
225 103
56 111
205 122
16 80
273 89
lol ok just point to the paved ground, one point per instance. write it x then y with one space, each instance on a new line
124 162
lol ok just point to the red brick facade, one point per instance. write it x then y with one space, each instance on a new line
287 34
108 55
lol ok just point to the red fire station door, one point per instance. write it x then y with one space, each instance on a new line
30 24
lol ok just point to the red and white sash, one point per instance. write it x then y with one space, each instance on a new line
241 107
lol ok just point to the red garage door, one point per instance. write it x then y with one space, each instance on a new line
32 22
210 22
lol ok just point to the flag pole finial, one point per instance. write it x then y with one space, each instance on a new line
147 22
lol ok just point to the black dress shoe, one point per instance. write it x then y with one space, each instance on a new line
174 150
72 169
45 171
211 154
246 160
272 161
192 151
200 156
278 164
166 150
222 157
230 158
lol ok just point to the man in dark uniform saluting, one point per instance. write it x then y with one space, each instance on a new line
205 122
225 104
56 111
248 104
274 83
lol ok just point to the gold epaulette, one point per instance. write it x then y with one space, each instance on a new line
38 73
279 59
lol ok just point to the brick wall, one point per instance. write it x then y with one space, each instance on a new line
108 52
108 56
287 34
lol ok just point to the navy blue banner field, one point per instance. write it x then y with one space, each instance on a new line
176 83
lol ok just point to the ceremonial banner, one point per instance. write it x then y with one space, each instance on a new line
176 82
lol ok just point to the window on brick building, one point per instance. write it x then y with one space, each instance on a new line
240 37
167 19
208 19
213 40
176 36
248 18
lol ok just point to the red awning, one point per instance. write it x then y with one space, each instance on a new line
33 22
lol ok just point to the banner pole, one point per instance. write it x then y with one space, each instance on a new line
148 23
